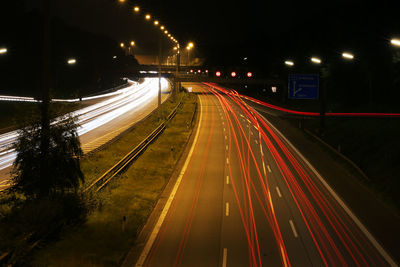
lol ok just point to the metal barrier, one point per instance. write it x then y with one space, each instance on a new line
133 154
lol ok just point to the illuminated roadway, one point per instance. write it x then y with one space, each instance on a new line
100 122
246 197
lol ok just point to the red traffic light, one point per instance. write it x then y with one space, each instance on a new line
218 74
199 71
233 74
191 71
249 74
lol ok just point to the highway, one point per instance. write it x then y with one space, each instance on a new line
246 197
100 122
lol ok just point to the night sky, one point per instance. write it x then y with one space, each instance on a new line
227 31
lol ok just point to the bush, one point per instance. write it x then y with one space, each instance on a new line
38 174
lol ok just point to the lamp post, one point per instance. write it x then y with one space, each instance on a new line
322 94
285 92
46 83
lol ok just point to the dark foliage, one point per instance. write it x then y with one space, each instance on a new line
37 220
63 162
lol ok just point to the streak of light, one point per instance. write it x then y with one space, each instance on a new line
94 116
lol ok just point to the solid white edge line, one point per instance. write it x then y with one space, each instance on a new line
370 237
293 228
225 257
164 212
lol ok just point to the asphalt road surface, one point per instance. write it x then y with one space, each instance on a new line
247 197
100 122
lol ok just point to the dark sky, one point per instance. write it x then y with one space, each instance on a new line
226 29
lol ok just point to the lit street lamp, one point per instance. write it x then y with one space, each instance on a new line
289 63
71 61
348 56
395 42
316 60
136 9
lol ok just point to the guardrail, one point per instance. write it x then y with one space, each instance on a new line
103 180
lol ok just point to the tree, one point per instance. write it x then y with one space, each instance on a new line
62 161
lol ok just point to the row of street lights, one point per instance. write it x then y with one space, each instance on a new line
345 55
156 22
318 61
70 61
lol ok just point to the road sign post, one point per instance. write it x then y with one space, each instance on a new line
307 86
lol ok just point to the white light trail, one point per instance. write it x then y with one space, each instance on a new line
94 116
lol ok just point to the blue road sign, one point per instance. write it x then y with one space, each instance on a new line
303 86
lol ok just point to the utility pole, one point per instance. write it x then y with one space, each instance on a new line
177 83
159 72
46 83
322 96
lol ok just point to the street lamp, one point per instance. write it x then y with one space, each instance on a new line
289 63
3 51
316 60
148 17
132 43
348 56
395 42
156 22
162 27
71 61
136 9
122 45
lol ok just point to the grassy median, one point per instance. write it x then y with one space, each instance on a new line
105 237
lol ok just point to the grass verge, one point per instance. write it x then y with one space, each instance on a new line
105 237
372 144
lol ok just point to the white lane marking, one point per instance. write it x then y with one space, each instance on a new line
227 160
223 123
225 257
164 212
224 129
278 191
251 132
293 228
227 179
256 142
360 225
269 169
226 137
227 209
226 147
